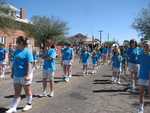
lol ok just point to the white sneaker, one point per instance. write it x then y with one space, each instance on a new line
70 76
112 79
27 107
115 81
44 94
67 79
83 72
11 110
52 94
119 82
140 110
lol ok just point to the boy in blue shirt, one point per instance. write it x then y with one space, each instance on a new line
49 69
144 73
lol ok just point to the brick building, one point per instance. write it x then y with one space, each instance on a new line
8 36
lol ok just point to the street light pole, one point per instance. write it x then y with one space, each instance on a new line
100 36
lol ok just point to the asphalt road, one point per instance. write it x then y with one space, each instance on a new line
83 94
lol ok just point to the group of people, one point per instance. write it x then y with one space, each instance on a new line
24 62
133 58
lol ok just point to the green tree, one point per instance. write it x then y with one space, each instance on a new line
142 23
48 28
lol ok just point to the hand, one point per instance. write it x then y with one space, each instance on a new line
27 78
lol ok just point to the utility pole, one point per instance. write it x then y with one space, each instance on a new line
108 36
100 36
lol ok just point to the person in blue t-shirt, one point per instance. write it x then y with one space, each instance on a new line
22 74
11 51
116 61
2 60
84 57
104 54
67 60
144 73
35 59
94 61
49 68
132 54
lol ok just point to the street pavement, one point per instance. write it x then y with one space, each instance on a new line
83 94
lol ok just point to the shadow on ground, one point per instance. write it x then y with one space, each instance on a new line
22 96
109 90
3 110
102 82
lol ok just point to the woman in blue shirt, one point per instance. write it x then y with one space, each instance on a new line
144 74
49 68
22 74
94 61
85 55
116 61
132 54
67 60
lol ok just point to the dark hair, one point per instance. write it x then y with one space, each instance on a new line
52 46
133 41
22 40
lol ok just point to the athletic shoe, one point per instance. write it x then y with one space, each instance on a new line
11 110
119 82
44 94
112 79
70 76
83 72
67 79
52 94
27 107
140 110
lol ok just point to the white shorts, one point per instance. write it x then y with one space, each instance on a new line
116 69
67 62
142 82
48 74
133 67
22 81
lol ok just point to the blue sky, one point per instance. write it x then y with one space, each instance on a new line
90 16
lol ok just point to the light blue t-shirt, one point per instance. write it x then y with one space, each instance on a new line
21 58
99 55
94 59
2 54
85 57
104 50
116 61
144 61
67 54
50 64
132 54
